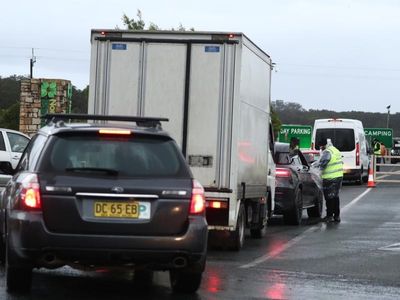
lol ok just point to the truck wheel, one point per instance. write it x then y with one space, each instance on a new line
316 211
294 216
185 282
258 233
18 278
237 236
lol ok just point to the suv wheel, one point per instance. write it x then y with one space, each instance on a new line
143 277
183 281
18 278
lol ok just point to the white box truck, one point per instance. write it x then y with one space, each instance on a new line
215 90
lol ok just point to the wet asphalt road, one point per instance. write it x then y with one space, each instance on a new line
356 259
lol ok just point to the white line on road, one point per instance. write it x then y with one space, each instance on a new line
298 238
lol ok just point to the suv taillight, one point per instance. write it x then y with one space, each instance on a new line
197 202
30 193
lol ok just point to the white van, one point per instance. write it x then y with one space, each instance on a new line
348 137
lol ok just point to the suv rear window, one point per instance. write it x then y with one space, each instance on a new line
342 138
137 156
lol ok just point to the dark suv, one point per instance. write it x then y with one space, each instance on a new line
97 195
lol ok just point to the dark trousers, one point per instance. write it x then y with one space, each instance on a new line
331 188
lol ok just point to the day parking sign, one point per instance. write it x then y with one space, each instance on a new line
302 132
384 135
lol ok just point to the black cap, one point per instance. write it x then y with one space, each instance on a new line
322 141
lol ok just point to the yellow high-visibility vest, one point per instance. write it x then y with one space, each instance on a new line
334 169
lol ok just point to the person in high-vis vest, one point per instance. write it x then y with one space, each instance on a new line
376 145
331 166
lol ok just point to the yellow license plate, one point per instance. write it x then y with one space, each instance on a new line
116 209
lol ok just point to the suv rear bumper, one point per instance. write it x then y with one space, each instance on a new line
31 243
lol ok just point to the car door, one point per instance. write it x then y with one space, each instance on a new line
305 178
17 143
4 153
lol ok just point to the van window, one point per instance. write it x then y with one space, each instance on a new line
342 138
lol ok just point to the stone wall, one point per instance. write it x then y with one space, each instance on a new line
41 96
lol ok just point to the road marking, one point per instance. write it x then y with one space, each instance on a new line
355 200
298 238
393 247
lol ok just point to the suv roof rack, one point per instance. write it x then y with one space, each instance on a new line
140 121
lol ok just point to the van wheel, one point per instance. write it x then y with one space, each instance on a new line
359 181
237 236
365 178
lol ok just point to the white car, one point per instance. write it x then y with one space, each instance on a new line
12 144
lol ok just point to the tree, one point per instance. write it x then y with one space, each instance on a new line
139 24
9 117
132 24
10 90
80 100
276 122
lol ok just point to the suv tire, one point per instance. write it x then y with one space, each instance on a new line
18 278
183 281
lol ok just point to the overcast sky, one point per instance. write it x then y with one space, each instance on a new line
340 55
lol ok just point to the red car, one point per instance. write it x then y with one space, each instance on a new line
311 155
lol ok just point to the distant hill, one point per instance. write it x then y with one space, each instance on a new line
294 113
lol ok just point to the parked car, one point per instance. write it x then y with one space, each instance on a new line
395 153
94 195
12 144
296 187
311 155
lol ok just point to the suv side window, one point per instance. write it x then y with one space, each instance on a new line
31 154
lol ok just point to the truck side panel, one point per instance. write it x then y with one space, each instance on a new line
208 101
253 122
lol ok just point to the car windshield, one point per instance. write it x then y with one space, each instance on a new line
342 138
138 156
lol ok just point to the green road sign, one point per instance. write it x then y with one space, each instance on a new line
384 135
302 132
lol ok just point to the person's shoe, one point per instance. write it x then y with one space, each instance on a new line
336 219
327 219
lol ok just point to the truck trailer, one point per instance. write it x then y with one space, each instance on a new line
214 87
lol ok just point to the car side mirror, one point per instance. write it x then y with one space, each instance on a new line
6 168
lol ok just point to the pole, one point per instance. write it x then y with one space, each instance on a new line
388 117
32 62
